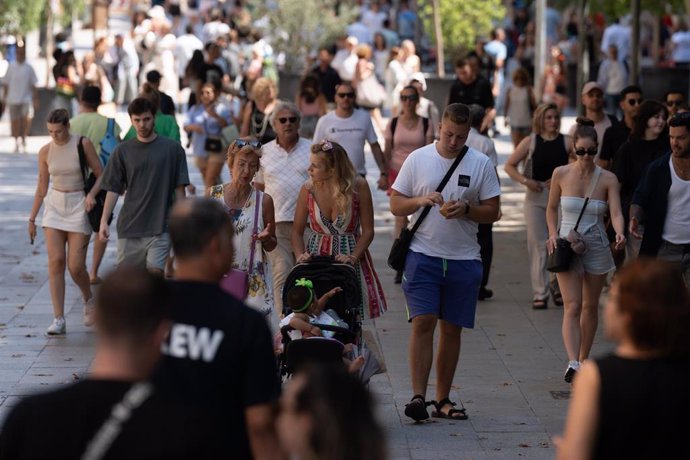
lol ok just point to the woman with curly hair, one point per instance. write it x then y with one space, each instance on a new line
337 204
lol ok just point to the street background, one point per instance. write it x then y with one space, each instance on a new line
510 375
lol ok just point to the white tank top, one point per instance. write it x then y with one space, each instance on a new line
63 166
677 224
519 110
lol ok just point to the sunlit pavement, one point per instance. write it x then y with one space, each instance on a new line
509 376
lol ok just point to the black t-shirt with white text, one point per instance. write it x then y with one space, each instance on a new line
61 423
218 357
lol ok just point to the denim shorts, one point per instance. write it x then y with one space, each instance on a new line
445 288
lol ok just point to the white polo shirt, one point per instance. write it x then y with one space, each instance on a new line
351 133
283 175
474 179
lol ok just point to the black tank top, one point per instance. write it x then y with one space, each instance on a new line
260 127
547 156
643 408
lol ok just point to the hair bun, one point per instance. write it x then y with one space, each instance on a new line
584 121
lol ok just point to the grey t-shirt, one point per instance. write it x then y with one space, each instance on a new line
149 173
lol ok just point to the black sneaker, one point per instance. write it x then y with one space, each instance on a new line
569 374
485 293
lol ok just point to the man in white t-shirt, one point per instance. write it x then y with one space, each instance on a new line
284 163
21 97
443 269
350 128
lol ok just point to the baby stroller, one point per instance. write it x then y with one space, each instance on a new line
325 273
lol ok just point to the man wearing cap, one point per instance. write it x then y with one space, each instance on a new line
91 124
593 101
167 106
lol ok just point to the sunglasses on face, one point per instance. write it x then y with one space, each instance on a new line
634 102
675 103
590 151
344 95
242 142
411 97
284 120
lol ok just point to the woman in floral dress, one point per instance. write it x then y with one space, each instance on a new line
337 204
241 199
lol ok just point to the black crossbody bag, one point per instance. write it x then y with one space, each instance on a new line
89 181
401 245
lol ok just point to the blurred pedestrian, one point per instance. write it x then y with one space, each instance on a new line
326 413
311 103
647 315
21 97
612 77
167 105
67 77
542 151
114 412
94 126
206 121
404 134
163 124
257 111
675 100
519 106
351 128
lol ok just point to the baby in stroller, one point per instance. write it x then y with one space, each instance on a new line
308 318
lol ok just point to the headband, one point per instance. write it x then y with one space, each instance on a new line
303 282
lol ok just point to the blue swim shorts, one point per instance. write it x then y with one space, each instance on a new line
445 288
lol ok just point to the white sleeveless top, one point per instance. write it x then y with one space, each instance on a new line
519 110
677 223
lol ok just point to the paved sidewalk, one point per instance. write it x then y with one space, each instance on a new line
510 371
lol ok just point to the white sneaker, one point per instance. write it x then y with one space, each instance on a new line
88 312
57 327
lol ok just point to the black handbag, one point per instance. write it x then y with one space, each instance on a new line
401 245
212 144
561 259
89 181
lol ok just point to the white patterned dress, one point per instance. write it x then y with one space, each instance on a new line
260 295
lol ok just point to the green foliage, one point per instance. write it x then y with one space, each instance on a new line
20 16
462 21
619 8
70 9
299 27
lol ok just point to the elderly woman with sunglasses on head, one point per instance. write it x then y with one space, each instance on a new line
244 203
337 204
582 283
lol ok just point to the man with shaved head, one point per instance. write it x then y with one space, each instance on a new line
219 353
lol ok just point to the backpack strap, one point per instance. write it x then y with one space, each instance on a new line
394 124
111 127
83 165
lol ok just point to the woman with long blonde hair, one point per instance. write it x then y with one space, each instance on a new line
338 206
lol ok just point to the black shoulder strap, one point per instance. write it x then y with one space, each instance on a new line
82 159
394 124
440 187
425 124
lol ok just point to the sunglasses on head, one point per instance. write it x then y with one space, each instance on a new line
242 142
634 102
284 120
344 95
591 151
674 103
411 97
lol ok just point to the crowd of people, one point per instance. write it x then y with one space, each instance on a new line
615 190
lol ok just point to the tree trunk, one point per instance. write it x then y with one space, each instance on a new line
440 53
635 45
541 54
